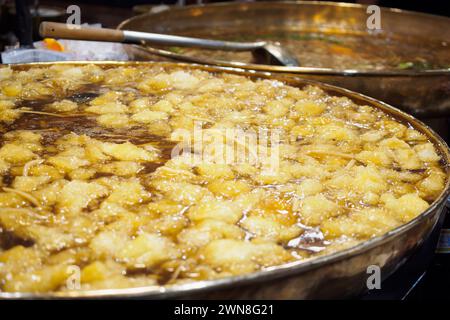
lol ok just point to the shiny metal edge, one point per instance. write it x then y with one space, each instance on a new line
294 268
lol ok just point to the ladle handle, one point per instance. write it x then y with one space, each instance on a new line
75 32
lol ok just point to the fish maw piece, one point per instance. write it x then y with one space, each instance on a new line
15 153
46 279
207 230
147 250
76 195
183 192
110 107
407 207
270 229
240 257
29 184
128 193
426 152
211 208
184 80
315 209
127 152
364 224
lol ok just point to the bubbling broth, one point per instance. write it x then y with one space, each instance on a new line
90 179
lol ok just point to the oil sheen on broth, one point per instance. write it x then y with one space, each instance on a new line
339 51
88 180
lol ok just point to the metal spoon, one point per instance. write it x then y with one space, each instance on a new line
268 52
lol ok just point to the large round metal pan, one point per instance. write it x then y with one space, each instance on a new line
424 93
338 275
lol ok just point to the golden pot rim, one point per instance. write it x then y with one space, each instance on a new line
294 268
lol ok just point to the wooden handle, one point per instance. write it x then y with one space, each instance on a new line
76 32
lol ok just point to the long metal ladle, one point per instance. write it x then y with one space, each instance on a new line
269 53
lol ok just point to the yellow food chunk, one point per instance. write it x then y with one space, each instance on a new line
4 166
148 116
228 188
127 152
426 152
432 186
49 194
157 83
12 88
43 280
76 195
147 250
121 168
183 80
127 193
18 259
240 257
183 192
309 108
245 169
5 72
63 105
269 229
107 243
367 223
94 152
67 163
335 132
402 153
272 176
371 198
369 179
315 209
215 171
309 187
162 106
110 96
276 108
15 153
82 174
113 120
96 271
373 136
379 158
407 207
414 135
140 104
207 230
209 208
107 108
29 184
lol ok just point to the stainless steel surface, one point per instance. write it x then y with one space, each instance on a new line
424 93
180 41
270 53
338 275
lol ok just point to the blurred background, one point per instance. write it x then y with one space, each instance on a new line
111 12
